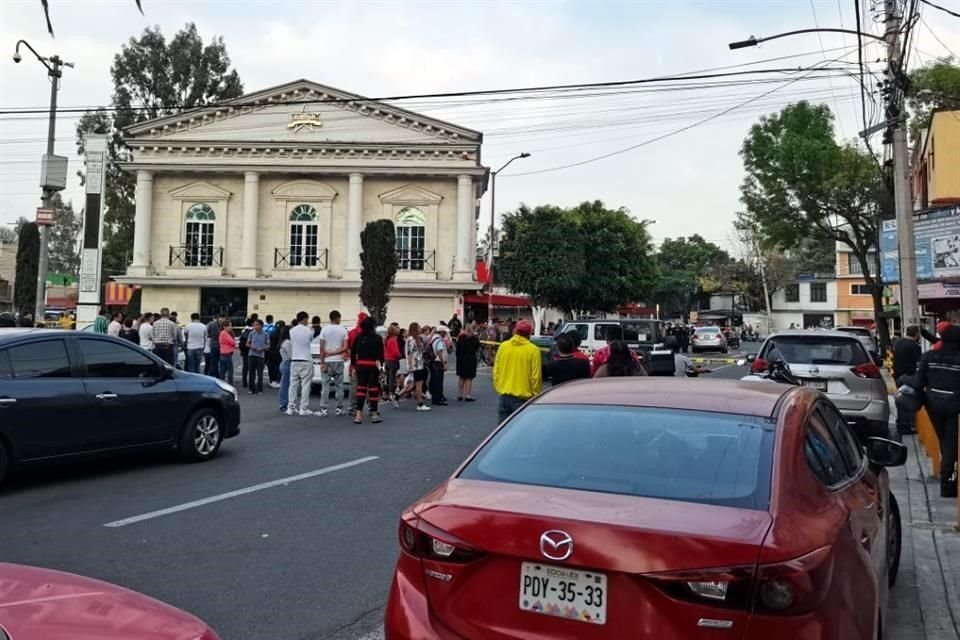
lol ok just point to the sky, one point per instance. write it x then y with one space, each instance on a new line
684 173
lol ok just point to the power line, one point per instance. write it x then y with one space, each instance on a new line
944 9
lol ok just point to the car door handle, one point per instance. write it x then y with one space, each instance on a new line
106 396
6 402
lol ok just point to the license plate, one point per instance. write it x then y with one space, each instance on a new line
819 385
573 594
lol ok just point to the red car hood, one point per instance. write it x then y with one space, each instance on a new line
42 604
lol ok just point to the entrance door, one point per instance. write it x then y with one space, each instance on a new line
232 302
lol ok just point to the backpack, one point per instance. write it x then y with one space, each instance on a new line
428 355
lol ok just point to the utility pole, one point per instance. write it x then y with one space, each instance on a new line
903 199
766 290
53 173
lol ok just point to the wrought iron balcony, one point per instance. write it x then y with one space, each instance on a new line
196 255
299 258
416 260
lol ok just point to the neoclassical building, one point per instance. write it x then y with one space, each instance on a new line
256 205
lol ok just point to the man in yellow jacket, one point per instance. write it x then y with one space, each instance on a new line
517 373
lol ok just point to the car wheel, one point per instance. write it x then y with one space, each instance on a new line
894 540
201 436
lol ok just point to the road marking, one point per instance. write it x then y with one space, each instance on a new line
239 492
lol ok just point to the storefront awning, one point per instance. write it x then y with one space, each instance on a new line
499 300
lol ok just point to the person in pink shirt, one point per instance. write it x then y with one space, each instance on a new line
228 344
600 356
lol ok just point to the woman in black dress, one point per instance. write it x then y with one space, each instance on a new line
468 346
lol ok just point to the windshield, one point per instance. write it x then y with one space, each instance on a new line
816 349
691 456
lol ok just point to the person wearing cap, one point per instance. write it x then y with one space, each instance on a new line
517 370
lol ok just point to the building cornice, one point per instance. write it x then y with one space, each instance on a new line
446 287
301 169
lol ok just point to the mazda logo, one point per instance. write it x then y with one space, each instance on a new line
814 371
556 545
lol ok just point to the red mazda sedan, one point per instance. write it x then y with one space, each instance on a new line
648 508
43 604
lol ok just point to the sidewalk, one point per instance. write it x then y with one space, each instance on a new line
925 603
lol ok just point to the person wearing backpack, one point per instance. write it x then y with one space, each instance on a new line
938 377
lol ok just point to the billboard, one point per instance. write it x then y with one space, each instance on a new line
936 235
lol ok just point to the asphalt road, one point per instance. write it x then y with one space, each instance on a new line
302 545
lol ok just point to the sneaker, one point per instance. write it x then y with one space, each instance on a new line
305 412
396 403
423 407
291 412
274 385
340 411
322 413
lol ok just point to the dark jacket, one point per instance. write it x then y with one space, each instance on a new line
565 368
906 356
939 377
367 350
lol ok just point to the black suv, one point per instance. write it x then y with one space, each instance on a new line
67 394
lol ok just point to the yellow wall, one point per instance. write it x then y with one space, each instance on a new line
943 143
847 300
183 300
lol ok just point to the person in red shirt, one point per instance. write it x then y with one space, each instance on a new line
391 363
601 355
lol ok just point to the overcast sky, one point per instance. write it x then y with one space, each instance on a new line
688 183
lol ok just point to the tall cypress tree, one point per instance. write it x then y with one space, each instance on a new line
28 262
378 267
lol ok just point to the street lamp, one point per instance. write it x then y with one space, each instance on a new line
753 41
493 214
52 167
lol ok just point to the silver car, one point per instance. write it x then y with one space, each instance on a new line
708 339
837 364
864 335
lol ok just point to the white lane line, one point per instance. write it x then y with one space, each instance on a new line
239 492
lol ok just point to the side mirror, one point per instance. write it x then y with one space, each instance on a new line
751 358
886 453
166 372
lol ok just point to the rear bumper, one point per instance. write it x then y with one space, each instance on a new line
874 417
408 612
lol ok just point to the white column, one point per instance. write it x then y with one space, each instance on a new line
354 221
465 207
143 215
251 222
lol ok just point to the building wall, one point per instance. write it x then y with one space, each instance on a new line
942 155
784 313
183 300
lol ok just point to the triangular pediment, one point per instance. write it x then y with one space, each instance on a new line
199 191
304 112
410 194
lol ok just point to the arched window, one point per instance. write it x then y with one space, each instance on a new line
303 236
198 236
411 238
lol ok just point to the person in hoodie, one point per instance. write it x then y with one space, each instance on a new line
366 356
938 376
517 370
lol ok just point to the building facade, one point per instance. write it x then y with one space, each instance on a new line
257 205
936 162
8 269
805 303
854 301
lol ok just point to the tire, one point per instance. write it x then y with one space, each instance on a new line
202 436
894 541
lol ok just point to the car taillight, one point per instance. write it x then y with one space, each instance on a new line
796 586
785 588
866 370
759 366
423 540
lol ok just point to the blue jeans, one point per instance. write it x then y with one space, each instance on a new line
194 358
284 384
226 368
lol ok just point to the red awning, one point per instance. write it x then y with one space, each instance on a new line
499 300
118 295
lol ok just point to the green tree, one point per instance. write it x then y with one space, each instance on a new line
619 266
28 262
686 265
801 185
541 256
151 78
8 235
64 240
932 86
378 266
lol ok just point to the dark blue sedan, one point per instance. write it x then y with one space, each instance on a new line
66 395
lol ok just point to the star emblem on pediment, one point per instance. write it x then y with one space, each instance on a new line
304 120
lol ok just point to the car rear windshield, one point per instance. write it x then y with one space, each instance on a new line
814 349
708 330
690 456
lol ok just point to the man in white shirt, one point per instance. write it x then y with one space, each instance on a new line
146 332
116 324
333 348
301 367
195 335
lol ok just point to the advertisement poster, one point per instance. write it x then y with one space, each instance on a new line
937 238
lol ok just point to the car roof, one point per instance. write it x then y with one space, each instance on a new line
9 333
720 396
826 333
852 329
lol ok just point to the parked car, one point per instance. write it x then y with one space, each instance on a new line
708 339
837 364
645 509
43 604
865 336
70 394
643 335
